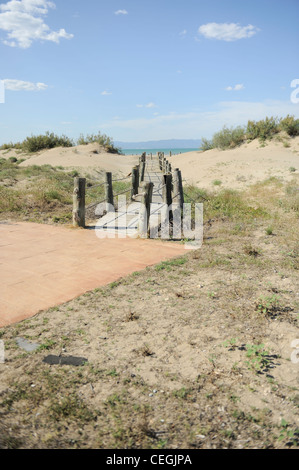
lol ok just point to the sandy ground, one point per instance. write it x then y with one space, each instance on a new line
240 167
235 168
86 157
196 354
168 358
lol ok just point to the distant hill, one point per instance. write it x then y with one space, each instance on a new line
160 144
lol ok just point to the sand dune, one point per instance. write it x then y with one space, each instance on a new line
239 167
87 157
234 168
83 157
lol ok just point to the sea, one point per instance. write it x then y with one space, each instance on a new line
155 151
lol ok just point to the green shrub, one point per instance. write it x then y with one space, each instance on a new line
206 144
290 125
229 203
10 146
228 138
263 129
101 139
10 200
46 141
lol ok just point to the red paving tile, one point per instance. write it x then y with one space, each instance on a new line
43 265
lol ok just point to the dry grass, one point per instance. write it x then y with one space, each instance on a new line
193 353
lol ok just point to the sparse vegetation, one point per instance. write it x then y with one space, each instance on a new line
36 143
262 130
99 138
191 353
43 193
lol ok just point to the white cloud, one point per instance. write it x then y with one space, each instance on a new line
121 12
148 105
23 22
183 33
227 31
151 105
196 124
237 87
20 85
106 93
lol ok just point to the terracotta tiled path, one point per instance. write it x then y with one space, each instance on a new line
42 265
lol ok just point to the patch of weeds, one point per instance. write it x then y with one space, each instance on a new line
62 219
234 398
113 399
114 284
232 205
293 258
212 295
287 434
112 373
212 261
7 441
231 343
269 305
217 182
168 265
251 251
292 169
71 407
269 230
182 393
48 344
18 392
259 359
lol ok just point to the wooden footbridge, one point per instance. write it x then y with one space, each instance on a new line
155 191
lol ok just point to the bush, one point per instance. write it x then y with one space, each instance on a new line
264 129
101 139
290 125
10 146
36 143
206 144
228 138
47 141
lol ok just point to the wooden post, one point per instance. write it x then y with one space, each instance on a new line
135 182
79 202
146 189
109 192
160 161
178 188
167 189
142 171
164 165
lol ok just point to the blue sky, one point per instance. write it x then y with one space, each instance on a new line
146 69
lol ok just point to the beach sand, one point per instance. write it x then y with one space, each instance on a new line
240 167
234 168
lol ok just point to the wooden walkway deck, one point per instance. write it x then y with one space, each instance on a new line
124 220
